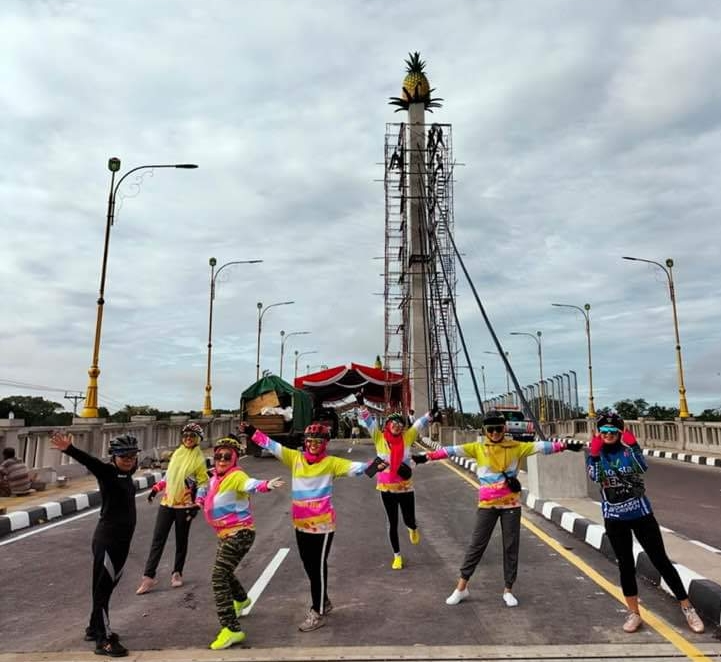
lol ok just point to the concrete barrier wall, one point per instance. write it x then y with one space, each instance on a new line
32 444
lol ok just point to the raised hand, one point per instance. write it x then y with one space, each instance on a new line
60 440
247 429
628 438
595 447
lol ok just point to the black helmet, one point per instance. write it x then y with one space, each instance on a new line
494 418
125 443
610 418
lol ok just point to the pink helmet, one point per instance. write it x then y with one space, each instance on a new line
319 432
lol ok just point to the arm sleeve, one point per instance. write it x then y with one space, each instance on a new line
544 447
285 455
464 450
593 468
367 420
637 453
343 467
440 454
95 466
242 482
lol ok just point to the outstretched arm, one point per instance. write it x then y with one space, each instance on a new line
63 442
285 455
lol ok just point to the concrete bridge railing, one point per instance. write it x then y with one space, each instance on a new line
32 444
688 436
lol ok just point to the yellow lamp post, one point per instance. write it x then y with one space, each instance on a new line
668 270
297 356
586 312
90 410
283 338
537 339
207 404
261 312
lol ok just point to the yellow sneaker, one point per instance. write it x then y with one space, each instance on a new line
397 563
227 638
240 605
414 535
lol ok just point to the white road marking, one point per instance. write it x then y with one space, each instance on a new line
705 546
265 578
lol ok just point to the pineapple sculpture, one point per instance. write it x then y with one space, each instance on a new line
416 88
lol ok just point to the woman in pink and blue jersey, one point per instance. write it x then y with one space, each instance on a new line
312 474
226 505
395 483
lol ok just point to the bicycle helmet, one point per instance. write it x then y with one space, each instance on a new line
494 418
124 444
395 417
229 441
192 428
611 419
320 432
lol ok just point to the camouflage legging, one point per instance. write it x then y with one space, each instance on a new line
226 586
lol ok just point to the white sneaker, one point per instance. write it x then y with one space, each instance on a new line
510 599
457 596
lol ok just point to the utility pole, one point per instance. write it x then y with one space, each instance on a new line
75 398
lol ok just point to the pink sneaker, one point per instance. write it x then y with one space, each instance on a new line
693 619
176 580
146 585
632 623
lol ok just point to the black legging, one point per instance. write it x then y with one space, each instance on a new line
407 503
108 561
166 517
649 537
314 549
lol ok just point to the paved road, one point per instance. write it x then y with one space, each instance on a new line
565 608
686 498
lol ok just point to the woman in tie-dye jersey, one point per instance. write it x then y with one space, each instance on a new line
313 472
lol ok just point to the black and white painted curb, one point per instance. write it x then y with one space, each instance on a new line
704 594
684 457
46 512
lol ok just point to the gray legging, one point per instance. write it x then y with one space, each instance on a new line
511 529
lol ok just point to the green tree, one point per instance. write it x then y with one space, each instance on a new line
662 413
631 409
710 415
34 410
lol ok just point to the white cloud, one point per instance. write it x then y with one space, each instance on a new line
587 131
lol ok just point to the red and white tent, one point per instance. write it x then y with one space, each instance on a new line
338 383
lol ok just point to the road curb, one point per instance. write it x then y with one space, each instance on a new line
51 510
703 593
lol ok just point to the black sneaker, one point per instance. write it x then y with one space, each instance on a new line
111 647
90 635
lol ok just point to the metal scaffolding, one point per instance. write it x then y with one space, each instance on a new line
437 257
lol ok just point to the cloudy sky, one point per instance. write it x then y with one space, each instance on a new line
586 130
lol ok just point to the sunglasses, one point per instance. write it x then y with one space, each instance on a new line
223 457
126 456
495 428
608 429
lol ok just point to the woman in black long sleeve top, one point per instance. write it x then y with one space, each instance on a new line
111 540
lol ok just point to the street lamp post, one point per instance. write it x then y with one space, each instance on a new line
90 410
261 312
537 339
508 383
668 270
483 377
207 404
586 312
297 356
283 337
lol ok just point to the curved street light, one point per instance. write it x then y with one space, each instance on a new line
90 410
586 312
668 270
207 404
283 337
261 312
508 383
297 356
537 339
